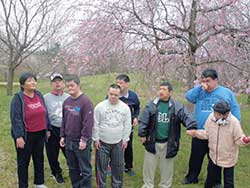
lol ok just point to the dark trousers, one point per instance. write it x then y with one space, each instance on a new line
199 149
128 154
114 154
79 164
52 150
214 172
33 147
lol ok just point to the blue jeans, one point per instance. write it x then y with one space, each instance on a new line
80 170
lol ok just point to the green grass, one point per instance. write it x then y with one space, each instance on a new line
96 88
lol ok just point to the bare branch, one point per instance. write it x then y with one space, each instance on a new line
217 8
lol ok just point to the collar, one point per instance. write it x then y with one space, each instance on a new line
157 99
126 95
226 122
56 93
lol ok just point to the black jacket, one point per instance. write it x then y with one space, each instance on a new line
178 114
17 115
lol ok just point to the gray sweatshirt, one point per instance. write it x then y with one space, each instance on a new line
112 123
54 105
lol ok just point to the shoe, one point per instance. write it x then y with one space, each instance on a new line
187 181
217 186
40 186
130 172
58 178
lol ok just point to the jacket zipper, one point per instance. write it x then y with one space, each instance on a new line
217 144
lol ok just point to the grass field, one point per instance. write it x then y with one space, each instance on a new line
95 87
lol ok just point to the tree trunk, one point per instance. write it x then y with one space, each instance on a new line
5 76
191 77
10 78
191 62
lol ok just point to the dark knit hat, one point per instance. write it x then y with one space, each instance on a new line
222 107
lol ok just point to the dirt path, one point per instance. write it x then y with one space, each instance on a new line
5 83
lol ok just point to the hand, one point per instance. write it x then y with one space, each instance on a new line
62 143
82 144
97 144
143 139
204 86
191 133
20 142
124 145
135 122
246 140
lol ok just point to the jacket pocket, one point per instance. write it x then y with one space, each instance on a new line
149 146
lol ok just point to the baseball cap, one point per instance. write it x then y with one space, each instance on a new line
55 75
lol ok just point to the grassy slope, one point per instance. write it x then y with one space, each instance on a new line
95 87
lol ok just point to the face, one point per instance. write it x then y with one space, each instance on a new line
29 84
164 93
113 95
124 85
57 84
73 88
211 83
218 115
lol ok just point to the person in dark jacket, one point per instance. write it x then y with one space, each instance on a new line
159 131
29 125
130 98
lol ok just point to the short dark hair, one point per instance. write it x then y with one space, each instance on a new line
72 77
209 73
115 86
24 77
123 77
165 83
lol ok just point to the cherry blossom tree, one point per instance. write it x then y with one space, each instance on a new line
195 34
26 25
95 46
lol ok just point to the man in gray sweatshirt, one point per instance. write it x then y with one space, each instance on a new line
54 101
112 127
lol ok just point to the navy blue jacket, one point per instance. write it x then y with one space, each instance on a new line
17 115
133 103
178 115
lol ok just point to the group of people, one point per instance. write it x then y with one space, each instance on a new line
69 122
